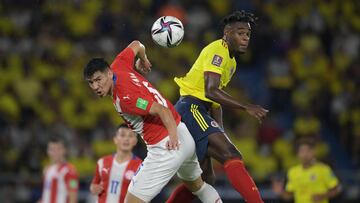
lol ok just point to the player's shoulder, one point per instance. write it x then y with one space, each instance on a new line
218 45
136 159
322 166
294 169
70 166
105 158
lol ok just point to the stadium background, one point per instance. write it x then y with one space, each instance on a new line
302 64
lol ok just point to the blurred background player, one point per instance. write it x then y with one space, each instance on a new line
114 172
200 107
60 182
155 119
309 182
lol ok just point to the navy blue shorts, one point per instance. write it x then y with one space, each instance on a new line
195 114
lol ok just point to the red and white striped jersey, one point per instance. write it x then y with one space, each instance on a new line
59 180
114 177
133 96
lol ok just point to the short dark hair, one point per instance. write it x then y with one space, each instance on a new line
308 141
56 139
123 125
95 64
239 16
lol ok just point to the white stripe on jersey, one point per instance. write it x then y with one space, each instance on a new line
50 174
136 122
115 181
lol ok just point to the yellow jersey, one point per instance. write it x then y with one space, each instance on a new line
215 57
304 183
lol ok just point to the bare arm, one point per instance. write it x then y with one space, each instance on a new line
213 92
169 122
73 197
142 65
96 189
278 188
216 113
328 195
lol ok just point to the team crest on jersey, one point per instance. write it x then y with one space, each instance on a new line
217 60
214 124
129 174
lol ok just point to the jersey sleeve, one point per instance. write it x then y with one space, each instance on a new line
97 177
136 102
72 180
329 177
213 60
290 184
125 59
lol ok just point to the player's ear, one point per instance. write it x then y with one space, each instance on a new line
226 31
109 73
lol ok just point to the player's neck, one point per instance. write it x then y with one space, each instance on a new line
231 52
60 161
309 164
121 156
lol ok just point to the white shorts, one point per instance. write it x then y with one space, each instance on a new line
160 165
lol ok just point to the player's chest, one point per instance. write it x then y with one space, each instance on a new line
308 179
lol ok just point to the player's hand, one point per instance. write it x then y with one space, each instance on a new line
173 143
277 186
257 111
96 188
319 197
143 66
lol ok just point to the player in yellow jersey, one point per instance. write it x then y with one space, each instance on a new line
310 181
200 106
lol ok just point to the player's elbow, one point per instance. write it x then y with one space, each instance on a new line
210 93
135 46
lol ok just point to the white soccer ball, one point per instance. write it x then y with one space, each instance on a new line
167 31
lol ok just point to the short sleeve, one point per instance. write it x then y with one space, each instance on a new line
72 180
97 177
290 184
136 102
125 59
330 179
213 61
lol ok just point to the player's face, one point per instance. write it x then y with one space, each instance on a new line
101 82
238 36
56 151
125 139
305 153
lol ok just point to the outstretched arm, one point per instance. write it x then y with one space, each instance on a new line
213 92
168 120
142 65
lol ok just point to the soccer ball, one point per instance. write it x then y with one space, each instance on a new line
167 31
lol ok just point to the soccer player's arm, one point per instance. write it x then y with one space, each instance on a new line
72 185
288 193
125 59
96 187
331 182
139 102
213 67
216 113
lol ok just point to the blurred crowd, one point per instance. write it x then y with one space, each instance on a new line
303 65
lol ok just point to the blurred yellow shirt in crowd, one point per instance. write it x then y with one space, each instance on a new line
305 183
215 58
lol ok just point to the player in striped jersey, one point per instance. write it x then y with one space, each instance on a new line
155 119
114 172
60 183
